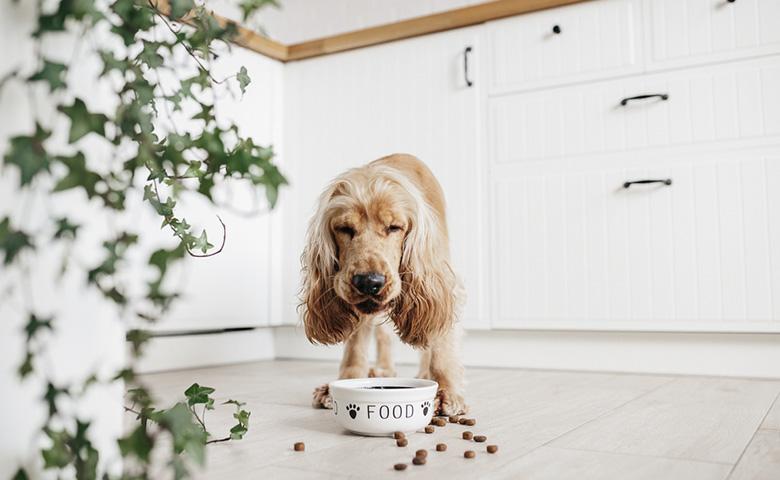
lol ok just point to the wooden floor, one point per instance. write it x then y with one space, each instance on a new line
548 425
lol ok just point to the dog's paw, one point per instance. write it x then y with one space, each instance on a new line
381 372
449 403
321 397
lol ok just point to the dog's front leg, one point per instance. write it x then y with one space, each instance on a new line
441 362
354 362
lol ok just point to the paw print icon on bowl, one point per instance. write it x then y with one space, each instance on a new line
353 410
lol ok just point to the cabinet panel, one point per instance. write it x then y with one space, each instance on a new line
594 39
736 101
694 31
347 109
575 249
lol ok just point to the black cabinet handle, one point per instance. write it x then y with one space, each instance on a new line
662 96
556 29
665 181
466 54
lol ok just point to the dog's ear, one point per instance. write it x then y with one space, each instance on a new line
427 305
327 319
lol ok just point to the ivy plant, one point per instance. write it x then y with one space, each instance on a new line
161 164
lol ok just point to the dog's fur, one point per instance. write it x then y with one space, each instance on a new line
386 217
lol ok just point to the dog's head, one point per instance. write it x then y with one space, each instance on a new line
376 246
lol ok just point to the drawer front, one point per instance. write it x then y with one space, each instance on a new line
596 39
577 250
693 31
734 101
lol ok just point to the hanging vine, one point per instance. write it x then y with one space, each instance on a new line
151 154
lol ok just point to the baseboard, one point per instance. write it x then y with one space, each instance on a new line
200 350
723 354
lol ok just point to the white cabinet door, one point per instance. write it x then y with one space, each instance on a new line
234 288
576 250
347 109
685 32
731 102
566 44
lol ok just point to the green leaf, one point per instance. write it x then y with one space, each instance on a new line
12 242
136 444
26 367
180 8
29 154
35 324
65 229
243 79
188 436
78 176
82 121
21 474
137 338
202 243
52 73
249 7
197 394
58 455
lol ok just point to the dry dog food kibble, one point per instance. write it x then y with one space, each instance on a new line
467 435
402 442
439 422
454 419
418 460
480 438
463 420
299 447
400 466
421 453
469 454
441 447
470 422
492 448
429 429
398 435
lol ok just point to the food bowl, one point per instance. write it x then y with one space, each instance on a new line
381 406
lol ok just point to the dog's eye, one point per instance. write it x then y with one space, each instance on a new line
394 228
346 230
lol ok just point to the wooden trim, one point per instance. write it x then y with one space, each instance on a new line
413 27
437 22
246 38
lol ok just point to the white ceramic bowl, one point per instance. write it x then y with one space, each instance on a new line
381 406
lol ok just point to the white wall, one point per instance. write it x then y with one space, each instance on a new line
301 20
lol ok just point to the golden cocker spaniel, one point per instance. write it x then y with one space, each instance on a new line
378 249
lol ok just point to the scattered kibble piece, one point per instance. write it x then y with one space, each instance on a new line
402 442
467 435
463 420
439 422
418 460
441 447
480 438
470 422
421 453
454 419
398 435
469 454
492 448
429 429
299 446
400 466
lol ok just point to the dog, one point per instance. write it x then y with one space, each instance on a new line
377 254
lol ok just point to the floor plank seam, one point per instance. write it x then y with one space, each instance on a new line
645 455
601 415
747 444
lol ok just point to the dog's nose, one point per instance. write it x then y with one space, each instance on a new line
368 283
